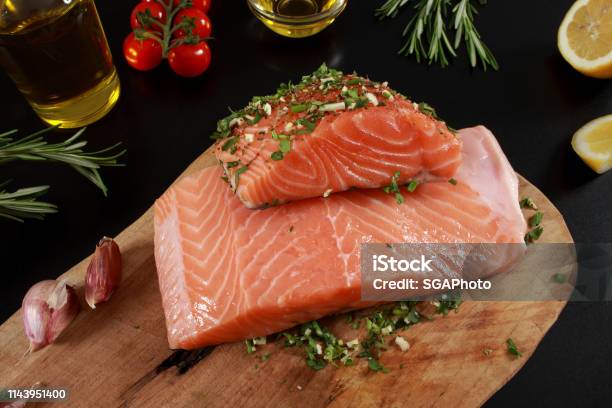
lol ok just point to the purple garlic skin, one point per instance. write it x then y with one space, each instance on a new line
103 273
47 309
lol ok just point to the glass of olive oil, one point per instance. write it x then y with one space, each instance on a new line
297 18
57 54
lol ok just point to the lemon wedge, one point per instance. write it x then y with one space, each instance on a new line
585 37
593 143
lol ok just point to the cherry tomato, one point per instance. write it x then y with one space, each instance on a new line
189 60
144 54
202 5
155 9
202 27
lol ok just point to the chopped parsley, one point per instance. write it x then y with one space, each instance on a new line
232 164
284 145
302 107
223 126
384 323
427 109
284 89
230 144
250 347
278 155
310 126
360 103
534 234
536 219
353 93
559 277
528 203
394 188
255 119
321 347
448 303
238 173
512 349
375 365
412 186
452 181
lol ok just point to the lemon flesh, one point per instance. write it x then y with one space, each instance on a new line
593 143
585 37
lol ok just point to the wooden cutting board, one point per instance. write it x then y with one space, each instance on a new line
118 354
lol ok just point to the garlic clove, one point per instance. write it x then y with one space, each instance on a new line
103 273
65 305
47 309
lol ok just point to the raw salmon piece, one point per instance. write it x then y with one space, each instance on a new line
331 133
228 273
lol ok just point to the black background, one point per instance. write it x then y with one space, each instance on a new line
533 105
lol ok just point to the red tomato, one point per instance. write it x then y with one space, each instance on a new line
144 54
156 10
189 60
201 21
202 5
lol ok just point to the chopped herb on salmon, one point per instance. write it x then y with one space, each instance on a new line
320 105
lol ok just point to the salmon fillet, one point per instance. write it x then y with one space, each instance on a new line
330 133
228 273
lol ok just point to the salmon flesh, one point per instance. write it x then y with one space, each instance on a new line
227 272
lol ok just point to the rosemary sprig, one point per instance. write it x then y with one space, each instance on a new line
390 8
35 148
464 13
427 32
23 203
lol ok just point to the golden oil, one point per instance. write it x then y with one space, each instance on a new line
300 8
297 18
57 54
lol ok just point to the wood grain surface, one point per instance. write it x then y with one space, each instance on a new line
118 356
